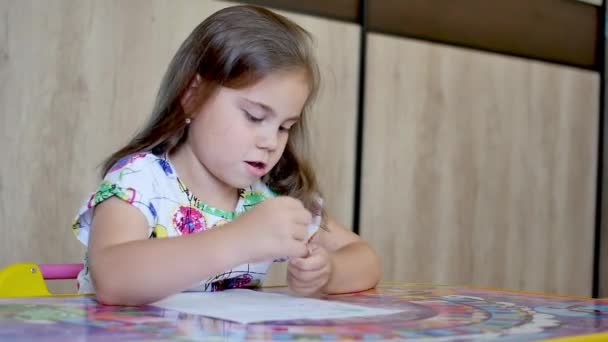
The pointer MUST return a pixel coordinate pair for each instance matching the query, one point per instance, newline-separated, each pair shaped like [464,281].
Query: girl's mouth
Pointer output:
[258,169]
[257,165]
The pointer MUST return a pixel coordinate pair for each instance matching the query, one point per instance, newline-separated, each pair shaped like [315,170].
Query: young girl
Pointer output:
[216,187]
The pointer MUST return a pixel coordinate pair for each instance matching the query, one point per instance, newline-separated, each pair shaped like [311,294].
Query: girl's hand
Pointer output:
[308,276]
[276,228]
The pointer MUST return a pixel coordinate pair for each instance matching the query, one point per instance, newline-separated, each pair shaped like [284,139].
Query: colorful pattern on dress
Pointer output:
[126,161]
[252,198]
[244,278]
[189,220]
[107,190]
[434,313]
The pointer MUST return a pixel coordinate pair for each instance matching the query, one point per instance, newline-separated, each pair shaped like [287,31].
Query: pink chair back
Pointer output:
[60,271]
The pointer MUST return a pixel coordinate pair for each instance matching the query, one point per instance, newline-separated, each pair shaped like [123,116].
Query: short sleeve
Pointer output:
[132,180]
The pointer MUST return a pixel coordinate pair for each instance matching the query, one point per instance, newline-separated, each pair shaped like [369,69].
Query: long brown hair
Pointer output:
[235,47]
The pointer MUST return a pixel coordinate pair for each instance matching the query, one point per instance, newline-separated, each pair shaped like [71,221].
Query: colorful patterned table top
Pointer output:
[436,313]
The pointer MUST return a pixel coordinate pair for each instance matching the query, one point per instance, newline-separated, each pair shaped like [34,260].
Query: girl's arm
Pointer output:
[355,266]
[127,268]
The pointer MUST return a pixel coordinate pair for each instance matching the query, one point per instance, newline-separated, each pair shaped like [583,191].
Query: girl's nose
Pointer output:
[267,141]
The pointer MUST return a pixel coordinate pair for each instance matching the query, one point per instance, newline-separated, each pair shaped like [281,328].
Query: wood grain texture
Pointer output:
[79,78]
[560,31]
[479,169]
[593,2]
[344,10]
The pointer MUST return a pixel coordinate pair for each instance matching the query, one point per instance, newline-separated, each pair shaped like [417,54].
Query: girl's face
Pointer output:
[239,135]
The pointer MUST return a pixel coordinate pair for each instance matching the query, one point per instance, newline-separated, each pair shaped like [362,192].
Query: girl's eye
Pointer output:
[251,117]
[284,129]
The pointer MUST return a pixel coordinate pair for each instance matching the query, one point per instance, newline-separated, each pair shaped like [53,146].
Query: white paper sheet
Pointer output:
[248,306]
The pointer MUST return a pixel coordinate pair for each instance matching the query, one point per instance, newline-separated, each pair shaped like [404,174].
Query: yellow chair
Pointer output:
[28,279]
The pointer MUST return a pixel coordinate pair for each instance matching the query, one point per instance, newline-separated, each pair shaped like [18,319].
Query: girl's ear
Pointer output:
[189,99]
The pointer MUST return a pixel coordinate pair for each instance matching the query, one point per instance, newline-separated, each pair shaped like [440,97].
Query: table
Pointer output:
[434,312]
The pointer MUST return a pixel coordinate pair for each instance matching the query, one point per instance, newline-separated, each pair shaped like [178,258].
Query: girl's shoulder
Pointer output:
[139,176]
[140,164]
[143,180]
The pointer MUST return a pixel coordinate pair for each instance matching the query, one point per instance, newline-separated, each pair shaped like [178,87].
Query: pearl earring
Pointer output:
[188,121]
